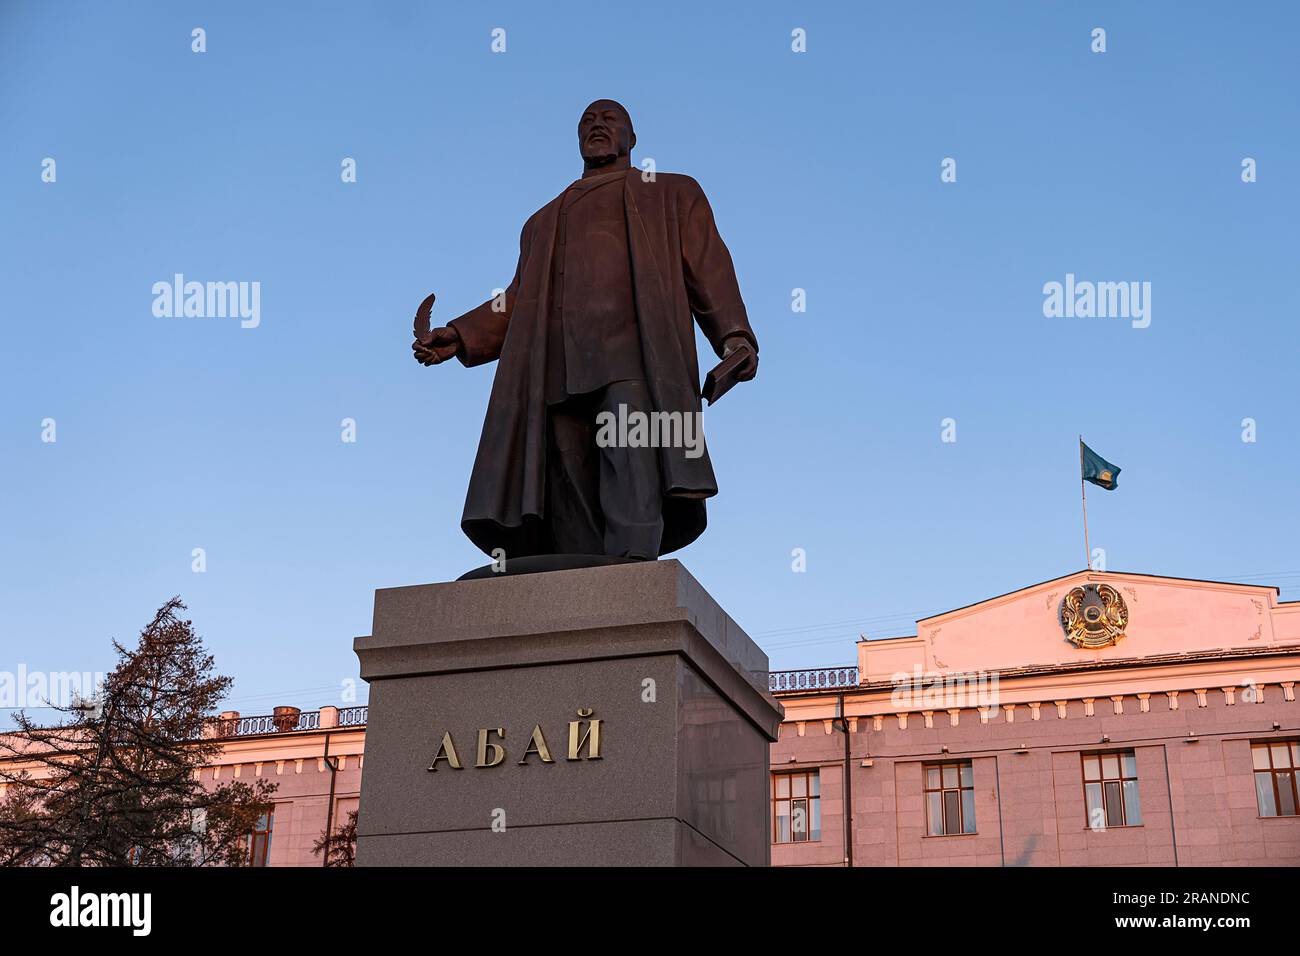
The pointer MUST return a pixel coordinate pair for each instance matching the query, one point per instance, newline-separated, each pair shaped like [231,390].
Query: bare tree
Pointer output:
[116,783]
[339,847]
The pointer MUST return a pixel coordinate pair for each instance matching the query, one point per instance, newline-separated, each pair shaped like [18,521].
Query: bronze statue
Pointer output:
[597,324]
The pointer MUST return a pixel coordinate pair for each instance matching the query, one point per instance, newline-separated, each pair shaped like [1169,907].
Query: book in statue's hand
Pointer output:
[723,376]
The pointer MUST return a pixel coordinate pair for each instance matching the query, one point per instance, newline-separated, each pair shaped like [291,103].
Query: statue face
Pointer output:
[605,132]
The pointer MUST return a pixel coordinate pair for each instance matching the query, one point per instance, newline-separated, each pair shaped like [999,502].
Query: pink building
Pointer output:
[1097,718]
[313,757]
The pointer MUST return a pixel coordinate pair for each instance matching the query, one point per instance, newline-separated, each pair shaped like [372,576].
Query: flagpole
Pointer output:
[1083,489]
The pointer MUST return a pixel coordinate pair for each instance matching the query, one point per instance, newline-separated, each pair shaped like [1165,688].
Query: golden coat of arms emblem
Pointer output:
[1094,615]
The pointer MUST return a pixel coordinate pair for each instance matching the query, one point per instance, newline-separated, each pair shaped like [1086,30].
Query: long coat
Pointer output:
[680,268]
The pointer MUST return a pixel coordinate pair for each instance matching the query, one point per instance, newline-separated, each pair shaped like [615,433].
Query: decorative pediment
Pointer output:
[1089,616]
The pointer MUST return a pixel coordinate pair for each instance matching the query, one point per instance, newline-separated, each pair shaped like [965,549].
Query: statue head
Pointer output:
[605,132]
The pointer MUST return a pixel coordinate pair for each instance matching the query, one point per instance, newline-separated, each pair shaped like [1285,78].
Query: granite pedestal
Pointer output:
[678,776]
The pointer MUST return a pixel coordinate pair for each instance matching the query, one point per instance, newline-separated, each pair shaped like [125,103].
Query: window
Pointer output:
[1276,765]
[259,840]
[796,807]
[949,798]
[1110,789]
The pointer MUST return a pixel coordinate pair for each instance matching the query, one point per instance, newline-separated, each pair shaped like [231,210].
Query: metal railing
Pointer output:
[270,724]
[812,678]
[353,716]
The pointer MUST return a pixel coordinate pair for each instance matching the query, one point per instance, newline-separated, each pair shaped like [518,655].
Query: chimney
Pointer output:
[285,718]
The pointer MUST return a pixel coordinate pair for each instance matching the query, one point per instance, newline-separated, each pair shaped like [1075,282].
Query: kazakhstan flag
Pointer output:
[1097,469]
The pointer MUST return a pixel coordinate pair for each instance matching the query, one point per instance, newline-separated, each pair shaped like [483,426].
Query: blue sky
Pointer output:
[924,301]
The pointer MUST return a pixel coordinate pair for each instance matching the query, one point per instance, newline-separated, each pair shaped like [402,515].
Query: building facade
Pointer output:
[1093,719]
[314,758]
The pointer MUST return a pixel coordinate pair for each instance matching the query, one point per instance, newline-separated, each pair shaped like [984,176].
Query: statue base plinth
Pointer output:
[503,666]
[537,563]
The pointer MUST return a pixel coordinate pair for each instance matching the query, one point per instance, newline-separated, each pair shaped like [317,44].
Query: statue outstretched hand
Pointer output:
[443,344]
